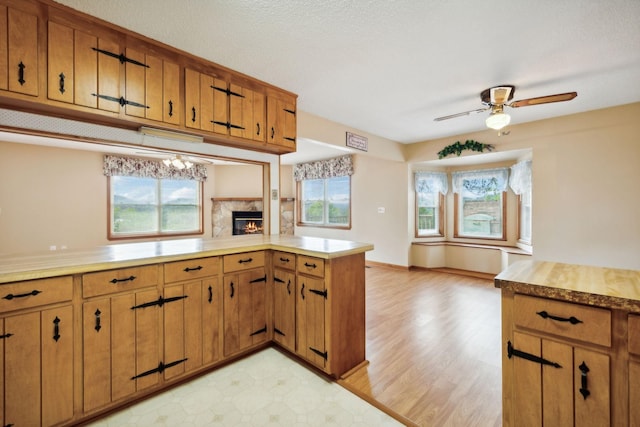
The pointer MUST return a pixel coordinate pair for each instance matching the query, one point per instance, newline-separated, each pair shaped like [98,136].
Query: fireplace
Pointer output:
[246,222]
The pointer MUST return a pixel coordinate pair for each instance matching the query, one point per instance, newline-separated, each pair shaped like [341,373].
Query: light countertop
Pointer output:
[600,286]
[20,267]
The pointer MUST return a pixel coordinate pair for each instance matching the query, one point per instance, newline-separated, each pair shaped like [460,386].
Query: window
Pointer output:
[147,198]
[325,202]
[479,203]
[430,189]
[324,192]
[520,183]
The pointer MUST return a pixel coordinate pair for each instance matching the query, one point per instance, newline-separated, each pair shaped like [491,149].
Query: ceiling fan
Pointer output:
[497,97]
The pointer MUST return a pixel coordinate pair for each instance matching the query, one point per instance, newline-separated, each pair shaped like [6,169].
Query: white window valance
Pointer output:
[480,181]
[431,182]
[321,169]
[520,179]
[143,168]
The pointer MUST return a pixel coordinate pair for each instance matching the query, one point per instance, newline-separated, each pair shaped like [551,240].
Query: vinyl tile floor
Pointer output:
[264,389]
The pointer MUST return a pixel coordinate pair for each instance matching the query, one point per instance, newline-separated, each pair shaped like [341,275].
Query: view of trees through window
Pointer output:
[480,209]
[149,206]
[326,201]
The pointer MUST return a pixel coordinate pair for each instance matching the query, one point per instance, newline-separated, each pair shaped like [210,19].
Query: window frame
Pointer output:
[440,217]
[111,235]
[324,224]
[521,205]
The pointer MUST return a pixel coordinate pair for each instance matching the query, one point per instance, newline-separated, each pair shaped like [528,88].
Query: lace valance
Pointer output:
[321,169]
[431,182]
[480,181]
[143,168]
[520,179]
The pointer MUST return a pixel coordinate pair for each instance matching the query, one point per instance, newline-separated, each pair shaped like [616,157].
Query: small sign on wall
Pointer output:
[357,141]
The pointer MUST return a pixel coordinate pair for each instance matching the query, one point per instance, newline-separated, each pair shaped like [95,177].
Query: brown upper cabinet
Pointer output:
[71,64]
[19,48]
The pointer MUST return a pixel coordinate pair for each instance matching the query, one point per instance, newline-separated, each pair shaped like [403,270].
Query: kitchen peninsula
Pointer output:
[87,331]
[571,344]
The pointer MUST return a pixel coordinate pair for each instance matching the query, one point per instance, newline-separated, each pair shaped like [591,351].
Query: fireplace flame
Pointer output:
[251,227]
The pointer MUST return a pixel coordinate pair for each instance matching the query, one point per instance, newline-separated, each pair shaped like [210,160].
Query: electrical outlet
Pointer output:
[380,210]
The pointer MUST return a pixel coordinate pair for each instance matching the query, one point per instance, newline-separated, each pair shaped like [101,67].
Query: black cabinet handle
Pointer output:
[97,314]
[284,259]
[242,261]
[302,291]
[21,79]
[210,294]
[232,289]
[584,370]
[571,319]
[61,87]
[273,132]
[511,351]
[128,279]
[33,293]
[193,114]
[289,287]
[186,270]
[170,108]
[306,264]
[56,329]
[257,128]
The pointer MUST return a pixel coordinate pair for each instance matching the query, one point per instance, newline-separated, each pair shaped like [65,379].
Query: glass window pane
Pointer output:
[313,201]
[180,205]
[338,195]
[481,213]
[134,204]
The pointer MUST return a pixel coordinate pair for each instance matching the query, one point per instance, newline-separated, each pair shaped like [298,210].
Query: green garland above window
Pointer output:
[457,148]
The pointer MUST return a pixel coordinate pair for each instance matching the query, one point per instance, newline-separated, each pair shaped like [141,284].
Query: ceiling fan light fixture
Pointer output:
[498,120]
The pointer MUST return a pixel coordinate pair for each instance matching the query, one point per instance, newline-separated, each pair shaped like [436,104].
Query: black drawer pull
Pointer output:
[584,370]
[310,265]
[56,329]
[571,319]
[33,293]
[210,294]
[284,259]
[97,314]
[242,261]
[128,279]
[528,356]
[186,270]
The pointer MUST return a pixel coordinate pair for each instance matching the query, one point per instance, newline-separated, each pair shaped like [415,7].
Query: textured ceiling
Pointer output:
[390,67]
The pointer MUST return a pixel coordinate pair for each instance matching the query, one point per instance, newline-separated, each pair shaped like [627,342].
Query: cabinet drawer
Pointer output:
[284,260]
[311,265]
[180,271]
[32,293]
[106,282]
[634,334]
[580,322]
[243,261]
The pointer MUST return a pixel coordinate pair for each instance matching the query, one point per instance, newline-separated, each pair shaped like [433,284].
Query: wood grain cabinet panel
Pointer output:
[284,307]
[22,49]
[281,122]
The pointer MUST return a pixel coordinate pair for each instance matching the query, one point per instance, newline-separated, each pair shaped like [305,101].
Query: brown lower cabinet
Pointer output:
[77,346]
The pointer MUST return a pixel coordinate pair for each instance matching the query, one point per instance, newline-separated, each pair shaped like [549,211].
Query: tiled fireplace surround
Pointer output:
[221,209]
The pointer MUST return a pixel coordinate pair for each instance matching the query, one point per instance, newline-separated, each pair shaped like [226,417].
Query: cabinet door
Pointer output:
[284,305]
[310,320]
[108,76]
[591,388]
[244,306]
[171,93]
[147,340]
[211,309]
[192,98]
[22,50]
[281,119]
[220,106]
[85,84]
[174,330]
[57,365]
[123,346]
[258,126]
[96,343]
[154,88]
[135,83]
[634,393]
[22,370]
[60,62]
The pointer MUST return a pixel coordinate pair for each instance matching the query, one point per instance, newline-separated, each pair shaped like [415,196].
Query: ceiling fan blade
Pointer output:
[560,97]
[466,113]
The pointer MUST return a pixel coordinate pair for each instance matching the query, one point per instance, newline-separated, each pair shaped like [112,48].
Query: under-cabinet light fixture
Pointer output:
[177,136]
[178,162]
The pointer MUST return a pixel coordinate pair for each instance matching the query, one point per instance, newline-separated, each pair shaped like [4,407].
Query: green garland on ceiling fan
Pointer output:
[457,148]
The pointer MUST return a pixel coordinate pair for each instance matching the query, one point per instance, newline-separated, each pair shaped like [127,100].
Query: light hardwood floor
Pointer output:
[433,343]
